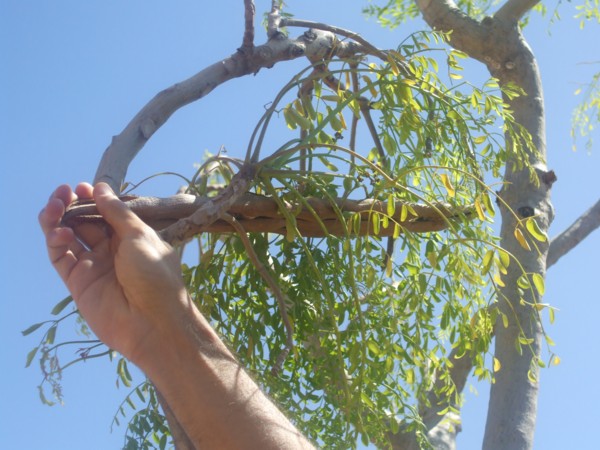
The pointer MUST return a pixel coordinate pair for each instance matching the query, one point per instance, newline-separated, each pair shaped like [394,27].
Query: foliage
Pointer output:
[370,343]
[372,328]
[587,113]
[395,12]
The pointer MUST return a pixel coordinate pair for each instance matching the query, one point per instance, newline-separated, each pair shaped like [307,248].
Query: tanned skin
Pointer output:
[127,284]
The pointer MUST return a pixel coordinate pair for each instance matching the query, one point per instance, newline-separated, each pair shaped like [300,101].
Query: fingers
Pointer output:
[62,246]
[115,212]
[52,213]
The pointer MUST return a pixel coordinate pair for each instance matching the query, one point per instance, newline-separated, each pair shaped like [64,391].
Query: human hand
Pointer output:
[124,279]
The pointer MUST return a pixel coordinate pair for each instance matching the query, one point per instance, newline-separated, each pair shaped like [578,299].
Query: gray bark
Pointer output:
[498,43]
[577,232]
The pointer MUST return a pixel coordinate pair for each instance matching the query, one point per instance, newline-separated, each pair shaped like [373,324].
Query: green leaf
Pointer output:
[488,259]
[551,315]
[32,328]
[51,334]
[374,347]
[61,305]
[391,205]
[503,258]
[30,356]
[533,227]
[538,282]
[403,213]
[523,282]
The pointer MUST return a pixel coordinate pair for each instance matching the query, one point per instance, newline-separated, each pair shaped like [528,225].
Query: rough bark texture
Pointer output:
[256,213]
[497,42]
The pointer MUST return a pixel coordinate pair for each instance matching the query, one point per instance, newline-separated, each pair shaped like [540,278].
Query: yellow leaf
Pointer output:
[498,280]
[556,360]
[479,210]
[521,239]
[497,365]
[448,184]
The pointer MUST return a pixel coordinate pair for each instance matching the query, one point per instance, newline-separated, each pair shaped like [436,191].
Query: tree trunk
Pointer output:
[497,42]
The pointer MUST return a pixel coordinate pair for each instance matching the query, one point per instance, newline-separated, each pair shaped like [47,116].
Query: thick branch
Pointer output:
[125,146]
[572,236]
[256,213]
[514,10]
[467,34]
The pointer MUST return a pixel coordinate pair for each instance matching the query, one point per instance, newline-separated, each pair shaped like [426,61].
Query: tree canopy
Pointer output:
[354,267]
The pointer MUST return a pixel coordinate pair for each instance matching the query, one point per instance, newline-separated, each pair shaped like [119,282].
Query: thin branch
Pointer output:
[514,10]
[572,236]
[249,13]
[273,286]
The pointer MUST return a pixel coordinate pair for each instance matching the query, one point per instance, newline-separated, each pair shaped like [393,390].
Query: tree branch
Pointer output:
[256,213]
[125,146]
[249,13]
[467,34]
[291,22]
[572,236]
[514,10]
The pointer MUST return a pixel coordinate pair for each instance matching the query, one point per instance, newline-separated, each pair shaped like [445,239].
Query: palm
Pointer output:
[118,278]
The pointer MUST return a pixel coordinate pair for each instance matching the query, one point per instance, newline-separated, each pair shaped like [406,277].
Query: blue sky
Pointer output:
[74,73]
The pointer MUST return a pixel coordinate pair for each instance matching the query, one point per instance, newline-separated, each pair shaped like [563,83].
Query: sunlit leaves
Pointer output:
[535,230]
[520,237]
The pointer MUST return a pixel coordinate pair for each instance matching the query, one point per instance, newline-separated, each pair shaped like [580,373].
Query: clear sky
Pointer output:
[73,73]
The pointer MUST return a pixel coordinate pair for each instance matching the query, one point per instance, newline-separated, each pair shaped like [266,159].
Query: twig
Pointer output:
[273,286]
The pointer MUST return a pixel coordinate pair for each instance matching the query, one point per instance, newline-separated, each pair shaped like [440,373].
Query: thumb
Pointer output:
[115,212]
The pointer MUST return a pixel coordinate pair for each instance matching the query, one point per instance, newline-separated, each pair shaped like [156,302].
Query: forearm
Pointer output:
[213,398]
